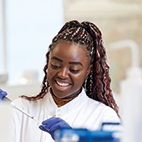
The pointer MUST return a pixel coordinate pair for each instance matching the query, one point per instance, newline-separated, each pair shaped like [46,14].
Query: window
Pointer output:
[30,27]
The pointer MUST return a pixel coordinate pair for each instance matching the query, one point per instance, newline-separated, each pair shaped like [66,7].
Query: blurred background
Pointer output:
[27,28]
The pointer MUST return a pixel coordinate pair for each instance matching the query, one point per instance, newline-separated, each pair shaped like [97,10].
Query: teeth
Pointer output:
[62,84]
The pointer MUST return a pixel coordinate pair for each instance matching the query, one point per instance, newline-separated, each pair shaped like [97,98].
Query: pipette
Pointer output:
[21,110]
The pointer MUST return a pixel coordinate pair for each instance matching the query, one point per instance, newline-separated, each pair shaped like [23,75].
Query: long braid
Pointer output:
[101,79]
[97,84]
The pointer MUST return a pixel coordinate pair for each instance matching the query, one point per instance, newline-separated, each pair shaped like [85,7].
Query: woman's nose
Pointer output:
[63,73]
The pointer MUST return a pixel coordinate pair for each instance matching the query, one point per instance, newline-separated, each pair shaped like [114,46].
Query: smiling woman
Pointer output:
[76,86]
[67,70]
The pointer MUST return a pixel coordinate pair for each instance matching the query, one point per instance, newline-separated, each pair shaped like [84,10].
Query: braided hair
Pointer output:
[97,84]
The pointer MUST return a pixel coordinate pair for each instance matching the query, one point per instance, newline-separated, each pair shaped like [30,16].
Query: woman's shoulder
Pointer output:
[21,102]
[102,110]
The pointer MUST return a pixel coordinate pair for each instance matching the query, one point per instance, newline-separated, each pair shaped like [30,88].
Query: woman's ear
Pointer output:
[88,70]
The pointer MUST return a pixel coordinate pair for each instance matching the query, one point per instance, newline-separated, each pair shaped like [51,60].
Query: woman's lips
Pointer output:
[62,86]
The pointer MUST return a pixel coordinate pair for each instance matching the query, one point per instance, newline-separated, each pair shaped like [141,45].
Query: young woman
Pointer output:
[76,89]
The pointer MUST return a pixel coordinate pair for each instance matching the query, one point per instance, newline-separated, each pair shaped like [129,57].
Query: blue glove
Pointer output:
[52,124]
[2,94]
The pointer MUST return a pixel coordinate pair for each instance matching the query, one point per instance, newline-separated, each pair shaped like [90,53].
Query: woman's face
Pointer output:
[67,68]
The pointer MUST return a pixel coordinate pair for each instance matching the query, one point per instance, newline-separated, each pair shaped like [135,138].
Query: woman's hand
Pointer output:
[2,94]
[52,124]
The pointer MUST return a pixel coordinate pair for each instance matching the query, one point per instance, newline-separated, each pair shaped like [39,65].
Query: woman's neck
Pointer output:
[62,101]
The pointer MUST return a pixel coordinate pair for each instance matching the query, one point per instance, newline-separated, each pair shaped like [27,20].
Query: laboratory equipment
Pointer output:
[85,135]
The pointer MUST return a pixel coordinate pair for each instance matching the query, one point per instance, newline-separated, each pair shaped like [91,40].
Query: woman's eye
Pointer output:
[74,71]
[54,66]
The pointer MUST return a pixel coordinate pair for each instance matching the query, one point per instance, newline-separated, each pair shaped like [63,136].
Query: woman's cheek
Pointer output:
[50,74]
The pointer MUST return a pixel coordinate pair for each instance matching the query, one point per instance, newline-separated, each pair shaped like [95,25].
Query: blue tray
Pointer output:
[85,135]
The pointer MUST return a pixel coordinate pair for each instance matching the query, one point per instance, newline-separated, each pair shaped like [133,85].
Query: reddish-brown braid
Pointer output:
[97,84]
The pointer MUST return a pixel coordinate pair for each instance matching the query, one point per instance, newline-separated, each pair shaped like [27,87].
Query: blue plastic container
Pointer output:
[84,135]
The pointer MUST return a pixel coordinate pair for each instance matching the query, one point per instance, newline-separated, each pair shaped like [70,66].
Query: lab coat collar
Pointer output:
[64,110]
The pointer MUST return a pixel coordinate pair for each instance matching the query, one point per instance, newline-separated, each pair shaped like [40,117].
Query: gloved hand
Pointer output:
[52,124]
[2,94]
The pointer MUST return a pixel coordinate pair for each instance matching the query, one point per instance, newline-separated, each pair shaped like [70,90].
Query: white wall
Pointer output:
[31,24]
[30,27]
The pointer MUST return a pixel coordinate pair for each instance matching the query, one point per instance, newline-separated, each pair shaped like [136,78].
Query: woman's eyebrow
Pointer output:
[57,59]
[79,63]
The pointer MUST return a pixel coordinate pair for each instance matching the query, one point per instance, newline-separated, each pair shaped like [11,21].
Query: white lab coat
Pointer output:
[81,112]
